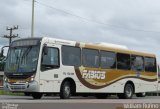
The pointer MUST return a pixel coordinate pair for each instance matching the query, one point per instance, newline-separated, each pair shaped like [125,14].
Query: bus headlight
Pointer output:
[5,79]
[32,78]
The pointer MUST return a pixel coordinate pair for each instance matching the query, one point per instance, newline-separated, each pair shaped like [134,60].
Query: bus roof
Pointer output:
[112,45]
[120,50]
[100,46]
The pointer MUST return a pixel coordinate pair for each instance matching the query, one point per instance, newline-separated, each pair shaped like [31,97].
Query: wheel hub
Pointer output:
[67,90]
[129,91]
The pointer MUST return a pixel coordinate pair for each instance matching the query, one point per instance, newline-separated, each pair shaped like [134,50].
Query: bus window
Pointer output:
[123,61]
[150,64]
[108,59]
[137,63]
[51,59]
[90,58]
[71,56]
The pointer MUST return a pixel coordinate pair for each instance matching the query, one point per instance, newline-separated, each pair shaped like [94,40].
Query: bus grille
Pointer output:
[17,87]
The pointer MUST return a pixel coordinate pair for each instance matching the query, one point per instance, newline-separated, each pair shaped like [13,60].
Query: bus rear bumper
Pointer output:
[22,87]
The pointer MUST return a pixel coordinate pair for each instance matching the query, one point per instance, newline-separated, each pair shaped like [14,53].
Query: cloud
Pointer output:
[123,22]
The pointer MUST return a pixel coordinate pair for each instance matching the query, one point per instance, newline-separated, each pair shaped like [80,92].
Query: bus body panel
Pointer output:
[50,81]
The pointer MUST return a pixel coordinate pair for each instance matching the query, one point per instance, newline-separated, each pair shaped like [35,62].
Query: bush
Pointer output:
[3,92]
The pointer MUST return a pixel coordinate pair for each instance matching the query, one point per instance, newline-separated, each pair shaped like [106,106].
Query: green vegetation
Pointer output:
[3,92]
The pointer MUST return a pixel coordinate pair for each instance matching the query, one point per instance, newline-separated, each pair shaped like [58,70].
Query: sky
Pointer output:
[133,23]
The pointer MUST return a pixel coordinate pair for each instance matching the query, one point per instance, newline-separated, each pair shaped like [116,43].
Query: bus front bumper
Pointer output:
[22,87]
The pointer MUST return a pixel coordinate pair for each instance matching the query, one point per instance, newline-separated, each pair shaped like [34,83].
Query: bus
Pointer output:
[39,66]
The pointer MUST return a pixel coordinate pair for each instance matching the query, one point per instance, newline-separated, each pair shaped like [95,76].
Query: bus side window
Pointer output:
[123,61]
[150,64]
[51,59]
[90,58]
[108,59]
[137,63]
[71,56]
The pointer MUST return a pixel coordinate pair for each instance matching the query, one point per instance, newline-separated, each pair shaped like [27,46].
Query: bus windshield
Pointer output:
[22,59]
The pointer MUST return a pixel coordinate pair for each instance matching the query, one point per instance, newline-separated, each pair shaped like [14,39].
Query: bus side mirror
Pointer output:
[45,50]
[2,53]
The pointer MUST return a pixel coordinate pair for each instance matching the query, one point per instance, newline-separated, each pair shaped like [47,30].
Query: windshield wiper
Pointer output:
[16,55]
[21,57]
[26,52]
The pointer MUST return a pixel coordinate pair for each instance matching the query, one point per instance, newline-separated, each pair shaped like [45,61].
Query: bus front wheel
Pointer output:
[37,95]
[65,92]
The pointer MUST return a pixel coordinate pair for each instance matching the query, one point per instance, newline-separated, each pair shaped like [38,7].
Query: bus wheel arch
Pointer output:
[70,84]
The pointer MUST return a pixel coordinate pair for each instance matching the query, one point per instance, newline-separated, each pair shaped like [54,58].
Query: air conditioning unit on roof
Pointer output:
[112,45]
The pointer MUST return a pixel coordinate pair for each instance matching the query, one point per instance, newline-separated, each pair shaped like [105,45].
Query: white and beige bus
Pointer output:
[48,65]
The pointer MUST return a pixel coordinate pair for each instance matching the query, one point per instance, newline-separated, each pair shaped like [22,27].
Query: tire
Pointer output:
[101,96]
[27,93]
[37,95]
[65,91]
[141,94]
[128,92]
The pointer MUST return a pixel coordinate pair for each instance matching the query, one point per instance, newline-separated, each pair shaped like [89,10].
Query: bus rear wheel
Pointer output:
[65,92]
[37,95]
[128,92]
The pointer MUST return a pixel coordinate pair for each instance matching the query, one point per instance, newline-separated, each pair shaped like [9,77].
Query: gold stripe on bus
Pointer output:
[112,74]
[97,84]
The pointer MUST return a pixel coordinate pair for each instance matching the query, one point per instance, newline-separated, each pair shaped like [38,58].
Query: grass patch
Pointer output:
[3,92]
